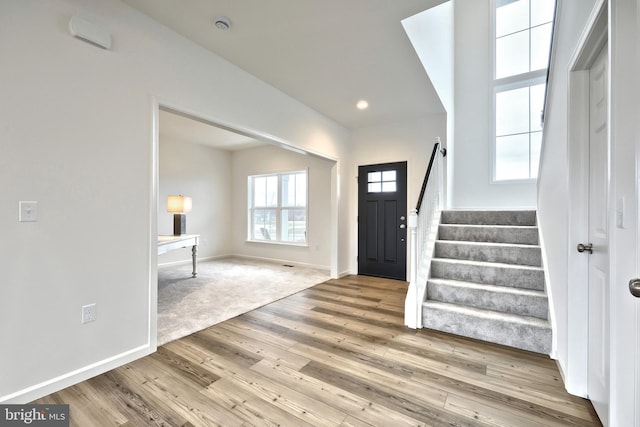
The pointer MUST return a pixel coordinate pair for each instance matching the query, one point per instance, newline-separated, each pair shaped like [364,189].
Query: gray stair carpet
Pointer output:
[487,280]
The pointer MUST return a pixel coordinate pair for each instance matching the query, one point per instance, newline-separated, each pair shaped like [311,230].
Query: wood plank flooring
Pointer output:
[336,354]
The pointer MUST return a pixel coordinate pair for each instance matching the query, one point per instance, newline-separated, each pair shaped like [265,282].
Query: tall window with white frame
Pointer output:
[523,31]
[278,208]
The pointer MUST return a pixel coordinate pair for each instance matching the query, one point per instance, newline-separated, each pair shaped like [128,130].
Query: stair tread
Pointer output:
[490,210]
[488,264]
[514,234]
[488,287]
[491,244]
[489,314]
[517,227]
[526,217]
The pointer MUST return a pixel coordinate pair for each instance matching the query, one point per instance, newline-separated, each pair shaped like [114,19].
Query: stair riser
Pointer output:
[489,217]
[525,337]
[489,234]
[523,305]
[497,313]
[491,275]
[508,255]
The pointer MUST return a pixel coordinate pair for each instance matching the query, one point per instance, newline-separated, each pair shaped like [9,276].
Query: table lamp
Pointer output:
[179,205]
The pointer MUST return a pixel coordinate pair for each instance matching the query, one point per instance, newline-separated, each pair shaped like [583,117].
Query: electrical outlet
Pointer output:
[89,313]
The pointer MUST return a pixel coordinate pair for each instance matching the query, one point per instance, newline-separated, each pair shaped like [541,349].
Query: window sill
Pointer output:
[514,181]
[274,242]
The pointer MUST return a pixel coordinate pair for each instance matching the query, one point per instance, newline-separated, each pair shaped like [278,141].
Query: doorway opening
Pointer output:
[193,156]
[588,142]
[382,220]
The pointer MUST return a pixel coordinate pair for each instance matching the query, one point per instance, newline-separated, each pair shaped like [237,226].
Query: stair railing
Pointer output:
[423,226]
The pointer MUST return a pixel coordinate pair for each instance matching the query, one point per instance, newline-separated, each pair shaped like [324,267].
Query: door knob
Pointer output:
[634,287]
[585,248]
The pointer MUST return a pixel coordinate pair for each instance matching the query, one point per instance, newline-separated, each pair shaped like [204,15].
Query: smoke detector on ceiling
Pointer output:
[222,22]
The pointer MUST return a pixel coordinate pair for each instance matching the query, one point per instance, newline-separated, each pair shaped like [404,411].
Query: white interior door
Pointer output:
[598,357]
[636,329]
[637,334]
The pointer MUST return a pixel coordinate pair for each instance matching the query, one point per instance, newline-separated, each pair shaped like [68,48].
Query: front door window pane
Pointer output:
[389,175]
[388,187]
[384,181]
[374,187]
[375,177]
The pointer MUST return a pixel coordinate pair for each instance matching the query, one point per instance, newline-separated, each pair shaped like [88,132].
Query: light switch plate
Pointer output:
[28,211]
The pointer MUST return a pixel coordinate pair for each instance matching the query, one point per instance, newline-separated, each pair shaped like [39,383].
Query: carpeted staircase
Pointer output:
[487,280]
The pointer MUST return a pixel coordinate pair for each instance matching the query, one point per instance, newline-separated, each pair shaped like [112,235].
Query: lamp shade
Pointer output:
[178,204]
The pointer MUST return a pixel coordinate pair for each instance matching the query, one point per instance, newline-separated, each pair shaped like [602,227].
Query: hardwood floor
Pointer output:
[336,354]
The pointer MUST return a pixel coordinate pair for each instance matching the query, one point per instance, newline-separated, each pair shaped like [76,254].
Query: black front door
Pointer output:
[382,219]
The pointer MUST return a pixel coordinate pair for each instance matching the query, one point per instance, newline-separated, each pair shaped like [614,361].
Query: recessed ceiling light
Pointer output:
[222,22]
[362,105]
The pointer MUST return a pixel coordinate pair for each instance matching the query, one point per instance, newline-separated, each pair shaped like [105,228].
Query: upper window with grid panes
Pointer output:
[522,42]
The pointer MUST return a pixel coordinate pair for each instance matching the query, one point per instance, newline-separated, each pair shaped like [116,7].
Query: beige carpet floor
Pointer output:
[223,289]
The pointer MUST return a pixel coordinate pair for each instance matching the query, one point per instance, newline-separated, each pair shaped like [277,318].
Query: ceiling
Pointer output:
[328,54]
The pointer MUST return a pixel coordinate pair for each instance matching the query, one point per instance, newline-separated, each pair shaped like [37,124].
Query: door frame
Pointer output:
[156,104]
[592,40]
[406,207]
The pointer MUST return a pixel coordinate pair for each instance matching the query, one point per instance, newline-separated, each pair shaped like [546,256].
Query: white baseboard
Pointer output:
[52,385]
[189,260]
[271,260]
[345,273]
[55,384]
[284,261]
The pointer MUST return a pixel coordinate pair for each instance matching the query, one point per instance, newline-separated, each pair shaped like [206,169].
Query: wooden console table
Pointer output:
[169,243]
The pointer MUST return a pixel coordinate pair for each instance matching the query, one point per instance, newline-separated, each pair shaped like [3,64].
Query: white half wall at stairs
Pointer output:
[423,227]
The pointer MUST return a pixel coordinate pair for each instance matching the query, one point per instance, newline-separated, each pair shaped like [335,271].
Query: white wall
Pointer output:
[624,27]
[204,174]
[411,141]
[432,34]
[269,159]
[77,136]
[472,174]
